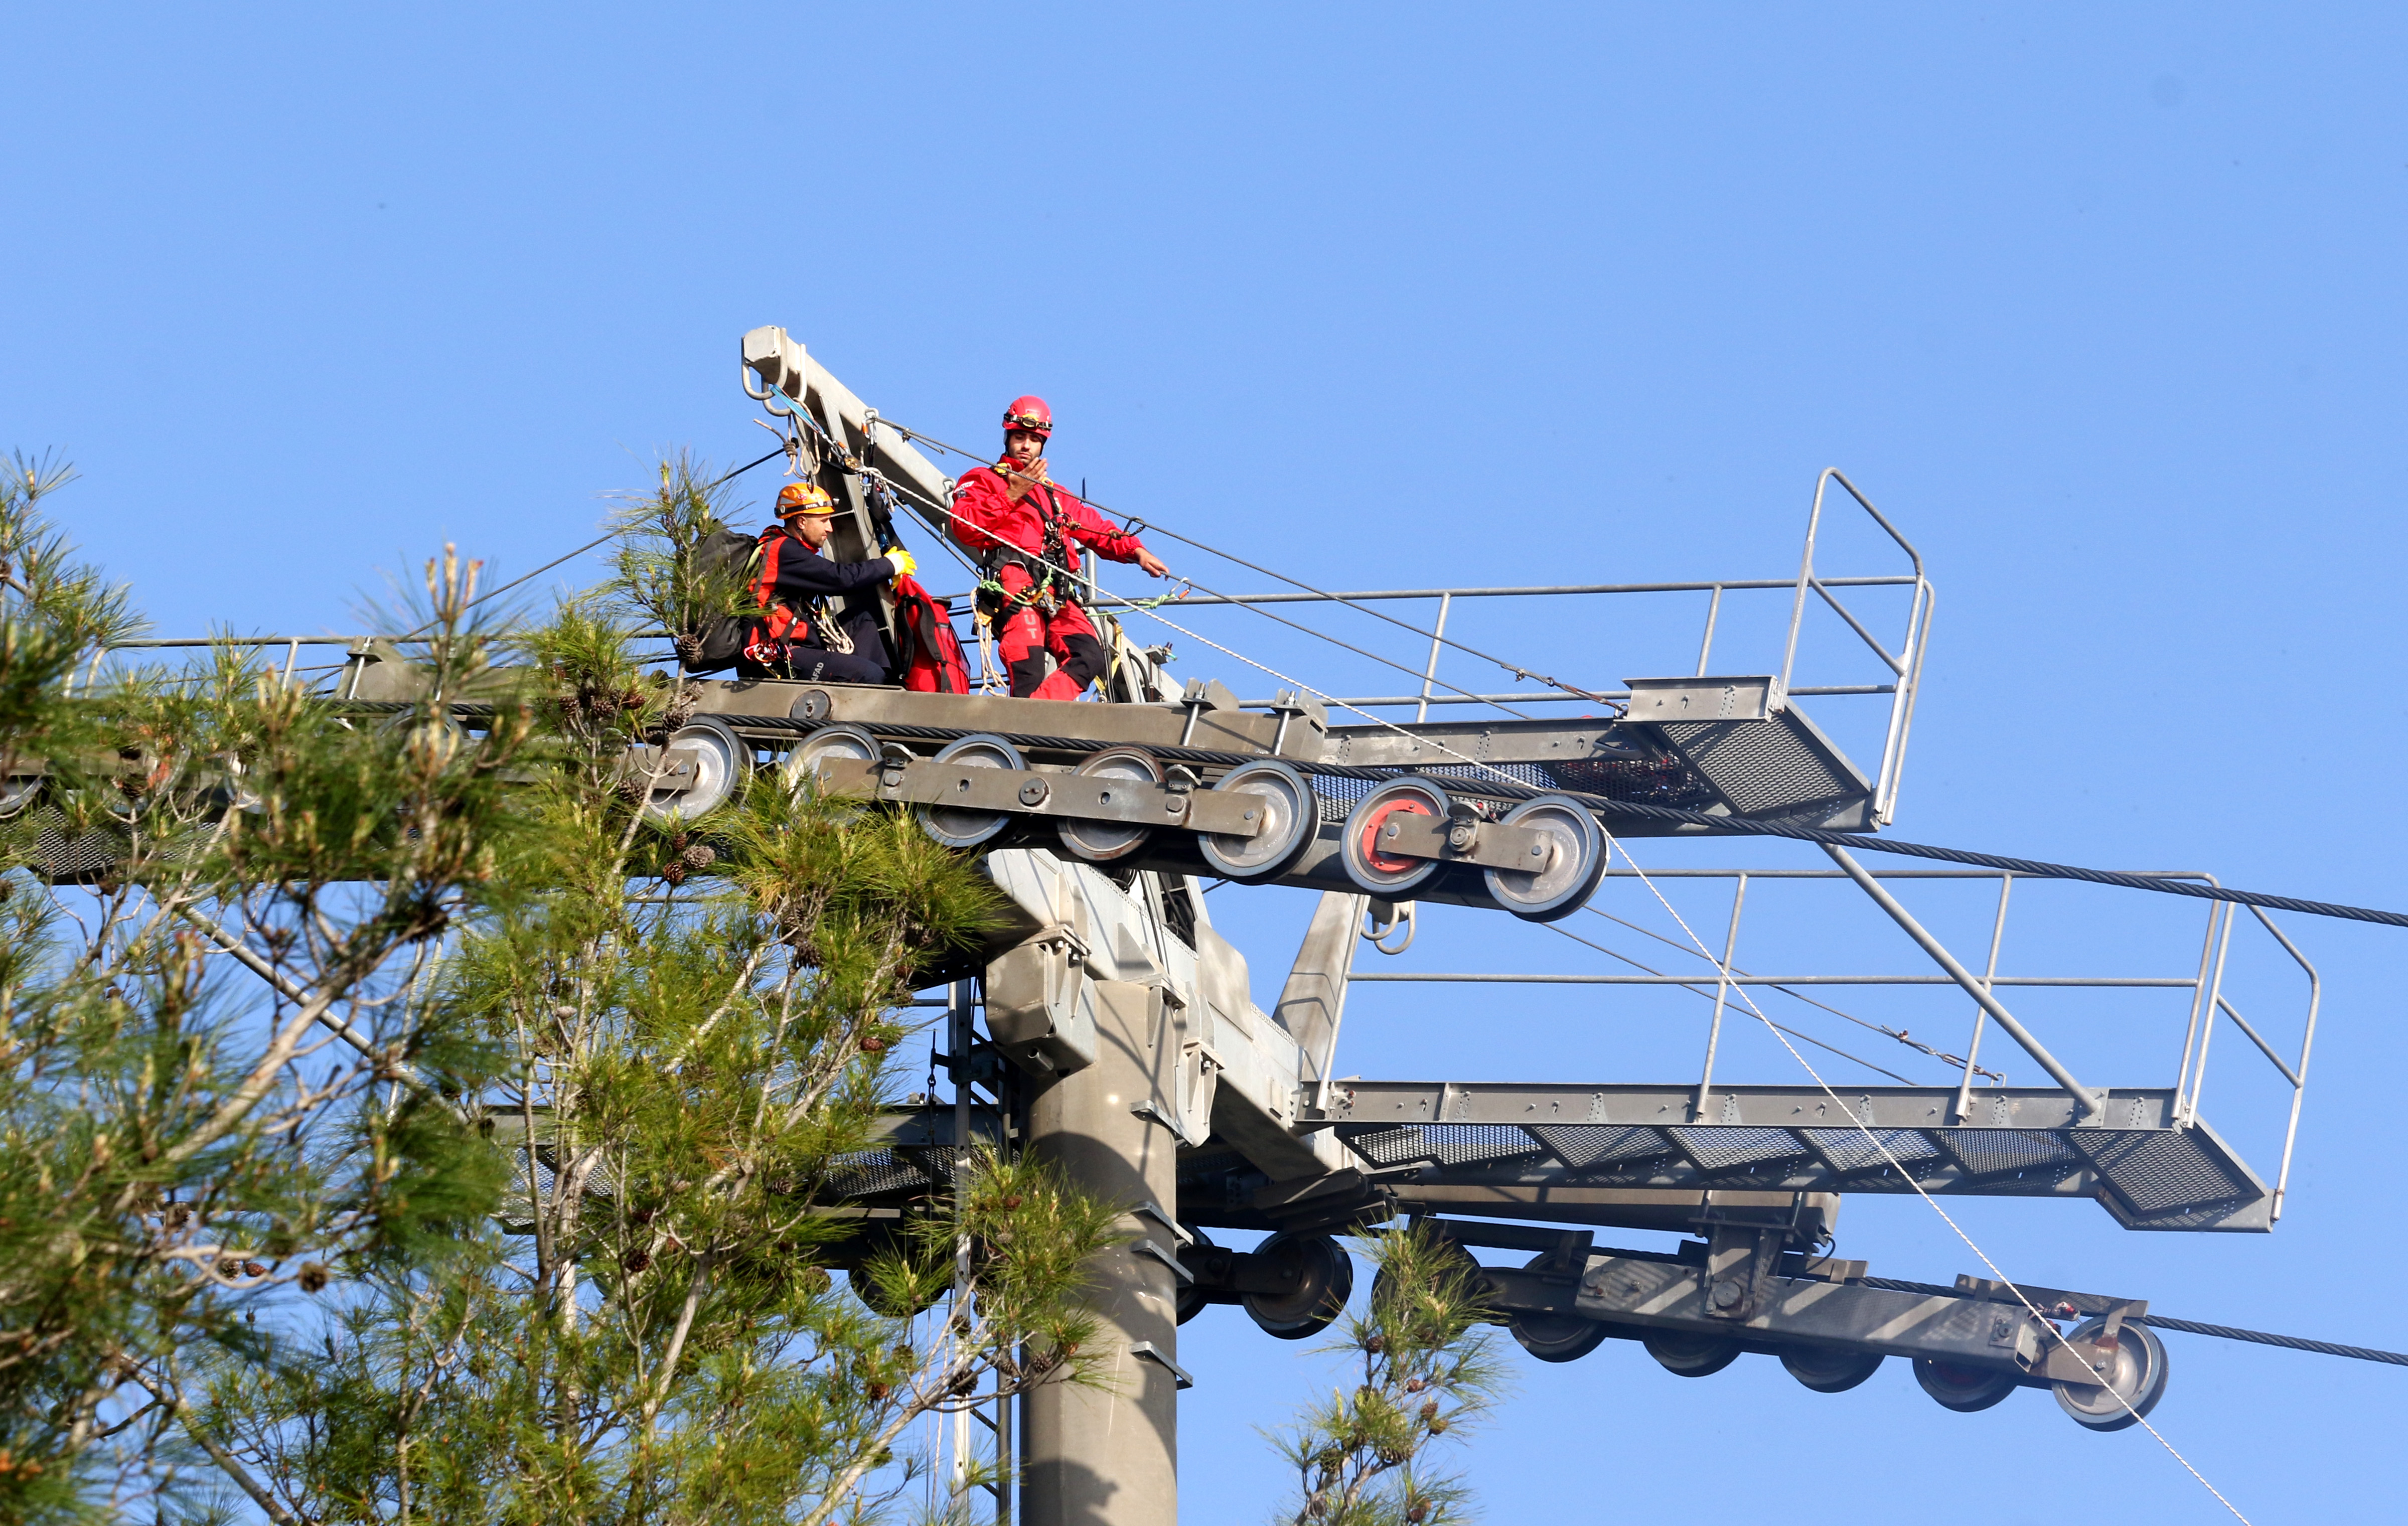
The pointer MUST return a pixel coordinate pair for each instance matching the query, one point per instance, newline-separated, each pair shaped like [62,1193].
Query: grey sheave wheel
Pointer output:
[954,826]
[1689,1353]
[1290,816]
[1318,1279]
[1561,882]
[1188,1299]
[1964,1390]
[1555,1337]
[721,761]
[802,764]
[1101,842]
[1391,876]
[2136,1380]
[1828,1369]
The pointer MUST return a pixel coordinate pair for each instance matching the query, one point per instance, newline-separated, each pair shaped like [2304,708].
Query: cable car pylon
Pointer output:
[1115,1030]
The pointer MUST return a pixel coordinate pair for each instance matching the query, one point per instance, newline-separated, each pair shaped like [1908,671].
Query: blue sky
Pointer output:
[2102,306]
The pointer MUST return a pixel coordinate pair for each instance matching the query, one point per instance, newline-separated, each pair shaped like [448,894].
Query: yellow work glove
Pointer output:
[905,563]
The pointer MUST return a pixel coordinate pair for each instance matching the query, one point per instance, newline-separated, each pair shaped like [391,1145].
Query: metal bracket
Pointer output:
[1147,1248]
[1463,839]
[1152,1211]
[1177,1372]
[1741,1264]
[1152,1113]
[1025,792]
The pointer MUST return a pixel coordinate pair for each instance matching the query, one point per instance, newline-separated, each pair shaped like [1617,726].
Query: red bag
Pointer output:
[933,662]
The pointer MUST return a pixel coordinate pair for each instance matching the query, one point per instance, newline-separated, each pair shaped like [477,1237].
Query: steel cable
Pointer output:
[2189,1327]
[1138,524]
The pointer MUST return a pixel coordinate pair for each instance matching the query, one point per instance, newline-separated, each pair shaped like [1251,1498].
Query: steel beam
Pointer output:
[2089,1103]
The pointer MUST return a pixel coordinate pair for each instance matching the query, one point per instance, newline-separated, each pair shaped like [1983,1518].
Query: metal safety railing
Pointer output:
[2209,999]
[1905,664]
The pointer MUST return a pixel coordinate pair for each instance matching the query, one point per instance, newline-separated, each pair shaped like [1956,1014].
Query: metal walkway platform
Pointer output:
[1528,1150]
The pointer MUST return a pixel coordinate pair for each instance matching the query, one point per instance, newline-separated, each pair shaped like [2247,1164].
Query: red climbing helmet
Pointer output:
[1031,414]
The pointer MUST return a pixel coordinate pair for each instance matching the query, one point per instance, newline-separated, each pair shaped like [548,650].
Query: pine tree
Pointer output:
[688,1028]
[1428,1373]
[178,1153]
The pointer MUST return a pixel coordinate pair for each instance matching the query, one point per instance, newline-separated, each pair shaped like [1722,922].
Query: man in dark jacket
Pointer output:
[801,633]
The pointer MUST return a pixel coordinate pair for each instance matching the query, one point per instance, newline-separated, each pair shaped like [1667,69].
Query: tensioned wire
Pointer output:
[1879,1144]
[1149,607]
[1136,524]
[1746,999]
[908,490]
[1560,930]
[1612,844]
[2030,868]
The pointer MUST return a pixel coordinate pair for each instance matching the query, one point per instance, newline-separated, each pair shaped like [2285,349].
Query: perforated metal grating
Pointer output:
[1848,1150]
[2009,1153]
[2161,1175]
[86,855]
[1761,767]
[1583,1145]
[876,1173]
[1665,781]
[2155,1172]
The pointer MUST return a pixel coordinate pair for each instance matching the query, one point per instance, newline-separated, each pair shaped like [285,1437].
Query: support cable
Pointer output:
[1150,607]
[1882,1146]
[1897,1034]
[2189,1327]
[1746,999]
[1792,1032]
[1138,525]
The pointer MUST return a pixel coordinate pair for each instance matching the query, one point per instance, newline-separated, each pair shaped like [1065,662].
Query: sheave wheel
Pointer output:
[1964,1390]
[1561,880]
[850,742]
[1101,842]
[721,761]
[1555,1337]
[1290,814]
[1390,875]
[1189,1299]
[2136,1378]
[1688,1353]
[1318,1278]
[954,825]
[1828,1369]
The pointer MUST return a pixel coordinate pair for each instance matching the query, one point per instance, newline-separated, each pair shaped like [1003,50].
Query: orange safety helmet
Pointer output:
[804,498]
[1031,414]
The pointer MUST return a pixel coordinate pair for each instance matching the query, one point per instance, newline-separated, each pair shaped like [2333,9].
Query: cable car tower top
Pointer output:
[1108,1026]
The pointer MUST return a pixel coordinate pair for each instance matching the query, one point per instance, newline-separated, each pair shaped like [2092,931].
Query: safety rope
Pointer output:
[1152,606]
[1137,525]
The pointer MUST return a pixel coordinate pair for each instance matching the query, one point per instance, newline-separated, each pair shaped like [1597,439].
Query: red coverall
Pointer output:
[1021,526]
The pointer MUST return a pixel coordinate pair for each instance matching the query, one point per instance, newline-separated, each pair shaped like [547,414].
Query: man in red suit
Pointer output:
[1028,532]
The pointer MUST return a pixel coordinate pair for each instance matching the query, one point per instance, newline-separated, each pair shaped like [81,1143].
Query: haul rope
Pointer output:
[2190,1327]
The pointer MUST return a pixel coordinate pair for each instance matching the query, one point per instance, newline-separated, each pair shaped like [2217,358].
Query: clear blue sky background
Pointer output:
[2103,306]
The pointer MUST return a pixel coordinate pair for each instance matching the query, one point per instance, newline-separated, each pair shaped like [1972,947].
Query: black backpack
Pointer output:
[717,577]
